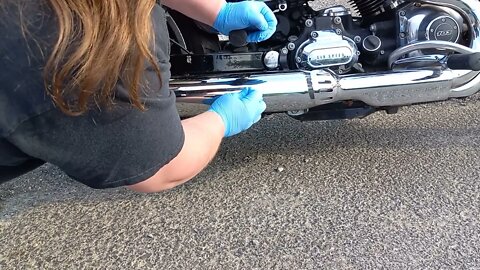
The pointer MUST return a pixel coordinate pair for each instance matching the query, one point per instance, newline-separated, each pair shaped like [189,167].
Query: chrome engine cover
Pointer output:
[430,22]
[327,49]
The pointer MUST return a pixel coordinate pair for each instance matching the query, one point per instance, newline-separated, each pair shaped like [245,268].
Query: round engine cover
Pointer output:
[443,28]
[430,23]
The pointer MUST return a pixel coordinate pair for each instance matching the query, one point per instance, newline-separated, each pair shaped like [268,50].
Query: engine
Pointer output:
[343,40]
[371,8]
[334,38]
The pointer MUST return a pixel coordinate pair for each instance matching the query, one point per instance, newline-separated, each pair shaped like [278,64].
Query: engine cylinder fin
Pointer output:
[368,7]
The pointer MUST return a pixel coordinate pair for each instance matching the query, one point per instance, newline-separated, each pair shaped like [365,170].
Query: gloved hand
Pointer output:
[239,111]
[248,15]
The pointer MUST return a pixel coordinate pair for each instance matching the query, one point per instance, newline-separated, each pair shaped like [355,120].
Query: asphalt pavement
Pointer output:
[390,191]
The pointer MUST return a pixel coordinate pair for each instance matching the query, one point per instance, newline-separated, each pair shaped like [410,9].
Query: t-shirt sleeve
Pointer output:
[121,146]
[115,146]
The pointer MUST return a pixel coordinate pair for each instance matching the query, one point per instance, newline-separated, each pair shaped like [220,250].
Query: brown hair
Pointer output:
[99,42]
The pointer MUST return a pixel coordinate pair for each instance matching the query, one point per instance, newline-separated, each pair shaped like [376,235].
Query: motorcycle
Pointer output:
[334,63]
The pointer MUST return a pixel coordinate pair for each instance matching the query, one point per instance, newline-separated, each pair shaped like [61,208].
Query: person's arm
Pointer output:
[200,10]
[203,135]
[253,16]
[229,115]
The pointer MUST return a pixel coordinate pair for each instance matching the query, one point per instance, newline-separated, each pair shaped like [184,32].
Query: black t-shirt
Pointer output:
[102,148]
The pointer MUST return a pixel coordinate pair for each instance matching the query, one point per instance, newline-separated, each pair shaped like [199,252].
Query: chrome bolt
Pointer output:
[337,20]
[314,34]
[284,50]
[402,35]
[382,52]
[291,46]
[271,59]
[309,23]
[298,59]
[357,39]
[338,31]
[402,13]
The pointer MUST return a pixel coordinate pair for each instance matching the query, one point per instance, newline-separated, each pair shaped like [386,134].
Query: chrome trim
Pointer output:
[421,62]
[376,48]
[437,44]
[326,49]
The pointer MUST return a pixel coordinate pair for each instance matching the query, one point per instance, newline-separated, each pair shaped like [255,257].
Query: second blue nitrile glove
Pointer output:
[240,110]
[254,16]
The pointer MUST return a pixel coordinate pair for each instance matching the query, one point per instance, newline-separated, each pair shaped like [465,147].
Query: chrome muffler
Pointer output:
[301,90]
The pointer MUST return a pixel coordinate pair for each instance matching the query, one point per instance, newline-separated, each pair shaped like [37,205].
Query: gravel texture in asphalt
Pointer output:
[389,191]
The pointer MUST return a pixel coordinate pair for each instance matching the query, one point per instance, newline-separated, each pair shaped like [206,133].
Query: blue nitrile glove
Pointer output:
[240,110]
[255,17]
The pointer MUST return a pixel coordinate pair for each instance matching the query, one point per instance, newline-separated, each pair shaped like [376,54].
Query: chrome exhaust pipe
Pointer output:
[298,91]
[301,90]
